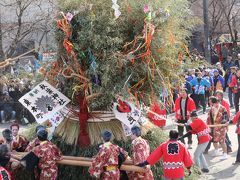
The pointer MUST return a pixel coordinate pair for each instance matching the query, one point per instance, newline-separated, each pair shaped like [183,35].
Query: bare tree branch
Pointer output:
[32,16]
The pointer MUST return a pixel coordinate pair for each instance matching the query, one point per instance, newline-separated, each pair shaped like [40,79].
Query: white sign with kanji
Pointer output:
[44,101]
[128,114]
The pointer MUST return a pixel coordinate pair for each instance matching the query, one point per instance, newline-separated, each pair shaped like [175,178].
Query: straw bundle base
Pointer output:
[68,130]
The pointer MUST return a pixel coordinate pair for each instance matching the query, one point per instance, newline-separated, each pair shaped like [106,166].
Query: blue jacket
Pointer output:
[219,78]
[199,87]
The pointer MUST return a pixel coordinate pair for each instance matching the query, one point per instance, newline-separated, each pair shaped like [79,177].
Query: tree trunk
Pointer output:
[2,55]
[206,31]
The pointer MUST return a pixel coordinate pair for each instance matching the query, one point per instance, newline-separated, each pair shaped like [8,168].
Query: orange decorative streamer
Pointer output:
[64,26]
[68,46]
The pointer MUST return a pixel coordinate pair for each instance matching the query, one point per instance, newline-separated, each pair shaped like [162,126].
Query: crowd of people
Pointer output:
[203,82]
[10,92]
[40,159]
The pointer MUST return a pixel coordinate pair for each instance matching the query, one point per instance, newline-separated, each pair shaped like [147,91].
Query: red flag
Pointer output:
[159,119]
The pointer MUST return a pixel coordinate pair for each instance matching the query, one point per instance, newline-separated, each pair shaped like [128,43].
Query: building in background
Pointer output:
[224,21]
[26,25]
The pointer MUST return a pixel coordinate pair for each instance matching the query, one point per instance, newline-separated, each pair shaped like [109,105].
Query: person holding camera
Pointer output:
[200,128]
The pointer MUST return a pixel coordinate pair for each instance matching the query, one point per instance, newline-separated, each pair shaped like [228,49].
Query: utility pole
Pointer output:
[1,40]
[206,31]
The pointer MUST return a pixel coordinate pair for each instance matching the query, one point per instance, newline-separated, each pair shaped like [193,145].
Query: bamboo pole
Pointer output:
[210,125]
[6,62]
[127,162]
[88,163]
[83,161]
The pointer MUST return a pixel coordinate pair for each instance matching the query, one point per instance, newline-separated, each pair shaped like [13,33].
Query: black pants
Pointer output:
[200,98]
[207,95]
[181,130]
[236,101]
[238,152]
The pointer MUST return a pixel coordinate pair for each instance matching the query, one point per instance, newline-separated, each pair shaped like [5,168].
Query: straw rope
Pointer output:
[68,130]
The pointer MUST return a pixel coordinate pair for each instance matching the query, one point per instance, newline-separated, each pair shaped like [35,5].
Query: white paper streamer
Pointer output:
[115,6]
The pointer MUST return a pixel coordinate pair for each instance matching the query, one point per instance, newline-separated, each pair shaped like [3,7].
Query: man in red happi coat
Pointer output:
[48,155]
[105,164]
[19,142]
[175,157]
[184,105]
[200,128]
[140,152]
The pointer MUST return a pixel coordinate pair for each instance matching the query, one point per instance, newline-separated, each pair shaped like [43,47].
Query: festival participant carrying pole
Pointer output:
[218,115]
[200,128]
[140,152]
[175,157]
[106,162]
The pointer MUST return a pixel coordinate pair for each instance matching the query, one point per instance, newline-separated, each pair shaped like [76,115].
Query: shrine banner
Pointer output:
[128,114]
[53,123]
[44,101]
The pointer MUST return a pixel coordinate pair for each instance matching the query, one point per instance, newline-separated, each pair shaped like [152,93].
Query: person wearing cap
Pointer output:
[199,85]
[19,143]
[217,115]
[200,128]
[48,155]
[235,84]
[183,107]
[174,155]
[140,152]
[105,163]
[218,81]
[35,142]
[228,79]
